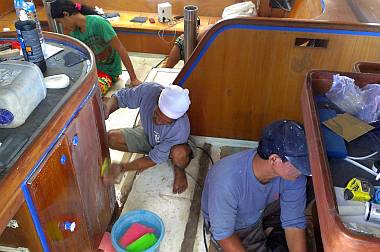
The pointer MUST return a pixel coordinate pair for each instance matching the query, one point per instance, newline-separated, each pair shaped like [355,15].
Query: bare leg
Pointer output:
[116,140]
[174,57]
[180,155]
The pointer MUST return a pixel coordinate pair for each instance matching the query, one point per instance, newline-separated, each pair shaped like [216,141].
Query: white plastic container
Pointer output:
[22,88]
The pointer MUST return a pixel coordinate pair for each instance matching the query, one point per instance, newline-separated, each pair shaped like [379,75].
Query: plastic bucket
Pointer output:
[144,217]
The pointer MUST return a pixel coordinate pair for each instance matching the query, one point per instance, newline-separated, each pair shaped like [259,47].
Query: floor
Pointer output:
[152,188]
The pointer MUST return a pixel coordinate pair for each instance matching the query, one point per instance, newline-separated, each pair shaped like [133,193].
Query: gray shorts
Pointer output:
[137,141]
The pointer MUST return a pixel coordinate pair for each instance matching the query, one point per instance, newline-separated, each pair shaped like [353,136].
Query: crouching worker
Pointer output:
[164,133]
[243,192]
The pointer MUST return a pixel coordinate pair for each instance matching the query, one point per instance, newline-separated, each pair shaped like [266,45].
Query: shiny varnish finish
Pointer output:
[55,193]
[335,236]
[88,155]
[23,234]
[241,78]
[367,67]
[60,192]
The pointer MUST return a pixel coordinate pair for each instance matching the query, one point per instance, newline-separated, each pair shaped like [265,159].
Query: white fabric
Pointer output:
[174,101]
[244,9]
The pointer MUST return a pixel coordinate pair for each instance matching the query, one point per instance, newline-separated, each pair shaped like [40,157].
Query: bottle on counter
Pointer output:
[29,40]
[30,9]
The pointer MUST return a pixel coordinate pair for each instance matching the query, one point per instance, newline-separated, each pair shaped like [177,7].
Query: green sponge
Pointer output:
[143,243]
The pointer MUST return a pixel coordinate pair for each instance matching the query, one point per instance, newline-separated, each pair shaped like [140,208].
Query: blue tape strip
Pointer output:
[269,28]
[147,33]
[33,212]
[24,187]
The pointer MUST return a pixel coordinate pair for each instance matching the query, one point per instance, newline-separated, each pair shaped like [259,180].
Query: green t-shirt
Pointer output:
[97,35]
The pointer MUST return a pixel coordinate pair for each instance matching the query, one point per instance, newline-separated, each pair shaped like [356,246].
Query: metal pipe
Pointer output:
[190,32]
[54,26]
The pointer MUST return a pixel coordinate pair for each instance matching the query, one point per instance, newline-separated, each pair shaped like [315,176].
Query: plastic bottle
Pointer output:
[30,9]
[29,41]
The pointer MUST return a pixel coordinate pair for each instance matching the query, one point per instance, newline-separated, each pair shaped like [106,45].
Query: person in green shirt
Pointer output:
[83,23]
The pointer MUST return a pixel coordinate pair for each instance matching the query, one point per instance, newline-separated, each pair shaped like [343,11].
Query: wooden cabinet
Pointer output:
[55,194]
[88,156]
[22,233]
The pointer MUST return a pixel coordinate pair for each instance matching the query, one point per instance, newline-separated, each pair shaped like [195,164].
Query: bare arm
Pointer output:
[139,164]
[232,244]
[109,106]
[112,175]
[296,239]
[118,46]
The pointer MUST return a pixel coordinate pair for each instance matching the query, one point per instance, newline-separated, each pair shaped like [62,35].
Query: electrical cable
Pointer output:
[361,167]
[204,235]
[208,154]
[281,7]
[362,158]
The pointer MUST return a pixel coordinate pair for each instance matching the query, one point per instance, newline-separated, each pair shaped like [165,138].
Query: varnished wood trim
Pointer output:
[11,194]
[266,24]
[334,234]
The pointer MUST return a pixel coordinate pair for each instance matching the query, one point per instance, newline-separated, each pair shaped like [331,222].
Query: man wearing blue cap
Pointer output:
[164,133]
[241,189]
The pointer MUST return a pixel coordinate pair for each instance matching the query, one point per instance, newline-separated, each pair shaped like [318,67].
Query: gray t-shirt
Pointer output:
[234,199]
[161,137]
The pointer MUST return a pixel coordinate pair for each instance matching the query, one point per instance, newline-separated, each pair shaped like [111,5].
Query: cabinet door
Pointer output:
[22,234]
[86,135]
[56,197]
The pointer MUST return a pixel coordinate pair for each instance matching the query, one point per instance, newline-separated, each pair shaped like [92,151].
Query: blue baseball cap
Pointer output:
[287,139]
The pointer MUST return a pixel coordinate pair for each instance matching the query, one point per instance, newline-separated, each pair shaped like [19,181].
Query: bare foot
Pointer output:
[180,181]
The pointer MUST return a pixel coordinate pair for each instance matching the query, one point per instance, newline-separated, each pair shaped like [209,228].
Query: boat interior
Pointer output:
[243,74]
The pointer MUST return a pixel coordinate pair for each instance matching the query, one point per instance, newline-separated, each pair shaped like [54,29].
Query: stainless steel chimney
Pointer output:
[54,26]
[190,18]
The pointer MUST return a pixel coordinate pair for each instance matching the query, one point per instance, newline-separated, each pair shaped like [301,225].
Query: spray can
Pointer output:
[372,212]
[29,41]
[29,7]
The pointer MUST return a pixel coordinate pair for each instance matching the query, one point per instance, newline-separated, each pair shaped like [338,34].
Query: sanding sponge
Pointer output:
[335,145]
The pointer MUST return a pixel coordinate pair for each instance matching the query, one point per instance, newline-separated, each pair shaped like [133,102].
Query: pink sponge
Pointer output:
[133,233]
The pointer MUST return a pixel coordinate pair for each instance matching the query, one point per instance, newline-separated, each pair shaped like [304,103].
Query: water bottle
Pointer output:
[30,9]
[29,41]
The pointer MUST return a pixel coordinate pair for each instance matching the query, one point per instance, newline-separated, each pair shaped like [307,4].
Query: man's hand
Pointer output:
[112,176]
[106,111]
[232,244]
[135,82]
[296,239]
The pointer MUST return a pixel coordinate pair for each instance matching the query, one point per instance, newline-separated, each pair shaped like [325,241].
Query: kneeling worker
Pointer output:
[244,188]
[164,134]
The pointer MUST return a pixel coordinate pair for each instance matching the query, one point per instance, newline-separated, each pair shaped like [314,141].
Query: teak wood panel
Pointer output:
[23,236]
[206,8]
[87,155]
[335,236]
[55,194]
[249,78]
[146,43]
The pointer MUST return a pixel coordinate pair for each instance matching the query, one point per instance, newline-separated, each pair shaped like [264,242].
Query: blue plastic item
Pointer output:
[335,145]
[144,217]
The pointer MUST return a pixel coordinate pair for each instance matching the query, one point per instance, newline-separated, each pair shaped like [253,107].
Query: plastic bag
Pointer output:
[244,9]
[363,103]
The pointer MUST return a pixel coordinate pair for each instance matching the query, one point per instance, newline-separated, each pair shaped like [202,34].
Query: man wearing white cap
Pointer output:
[164,134]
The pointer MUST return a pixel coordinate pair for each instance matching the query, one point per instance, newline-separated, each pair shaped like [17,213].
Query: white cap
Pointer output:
[174,101]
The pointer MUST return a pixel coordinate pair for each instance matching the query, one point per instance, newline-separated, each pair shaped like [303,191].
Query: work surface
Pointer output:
[49,107]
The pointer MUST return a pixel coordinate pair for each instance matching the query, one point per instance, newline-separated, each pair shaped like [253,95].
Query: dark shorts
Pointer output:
[254,239]
[137,141]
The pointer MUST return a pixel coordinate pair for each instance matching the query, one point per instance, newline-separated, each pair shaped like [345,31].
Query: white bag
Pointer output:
[244,9]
